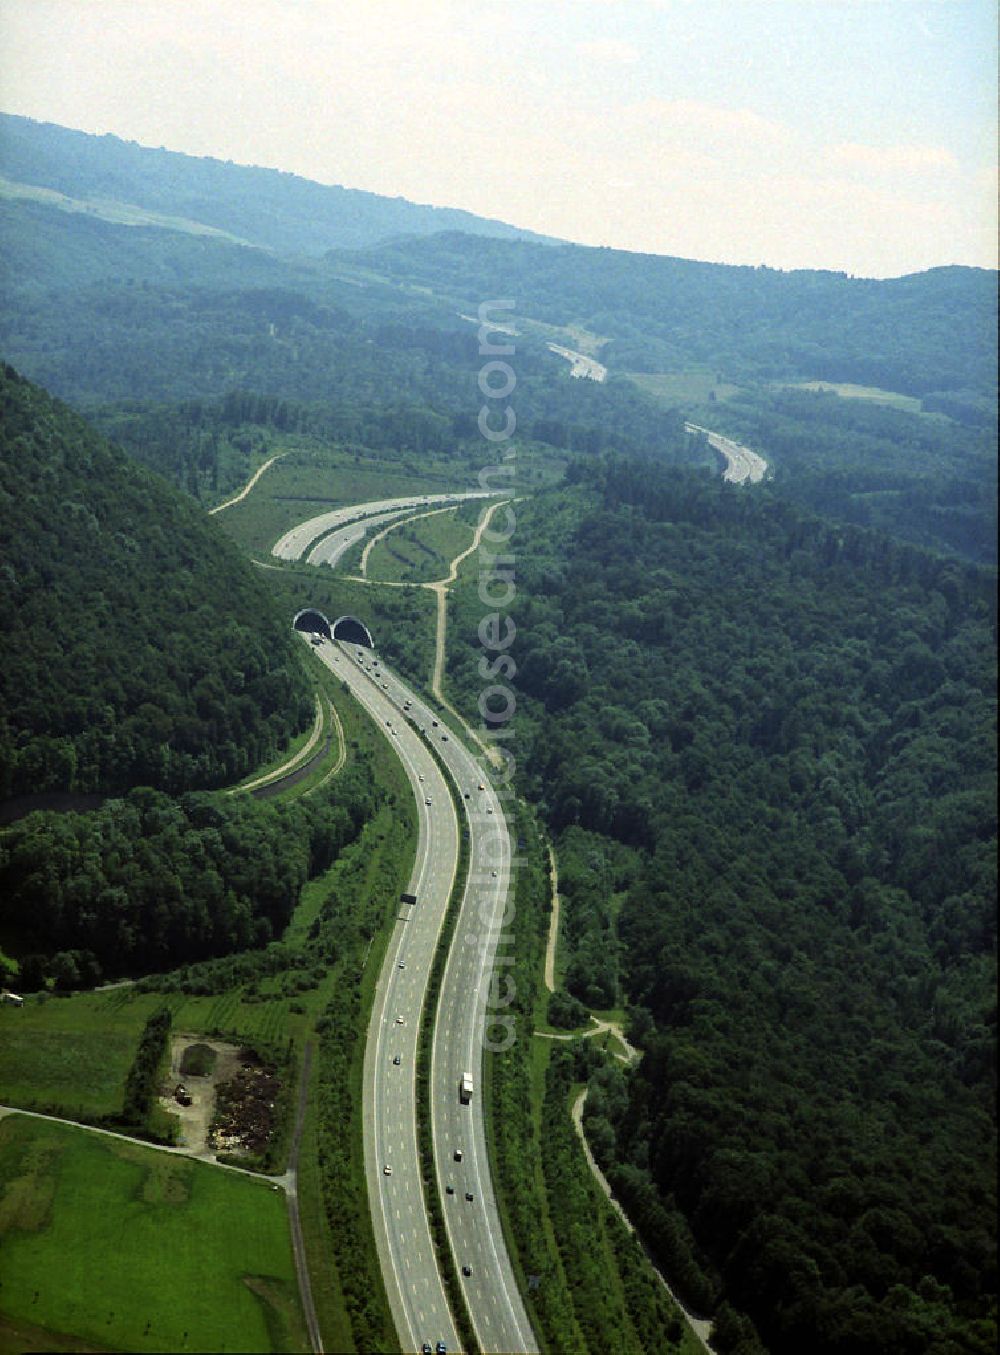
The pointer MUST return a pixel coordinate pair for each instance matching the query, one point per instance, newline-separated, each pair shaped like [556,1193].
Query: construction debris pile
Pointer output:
[244,1109]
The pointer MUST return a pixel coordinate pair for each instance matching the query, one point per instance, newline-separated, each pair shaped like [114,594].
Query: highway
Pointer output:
[333,547]
[742,465]
[492,1297]
[297,541]
[402,1234]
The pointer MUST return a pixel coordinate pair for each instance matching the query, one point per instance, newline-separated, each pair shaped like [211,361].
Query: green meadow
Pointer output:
[421,549]
[314,479]
[693,386]
[848,391]
[127,1248]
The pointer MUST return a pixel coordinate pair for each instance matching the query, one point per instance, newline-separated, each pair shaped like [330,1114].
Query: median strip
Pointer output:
[425,1138]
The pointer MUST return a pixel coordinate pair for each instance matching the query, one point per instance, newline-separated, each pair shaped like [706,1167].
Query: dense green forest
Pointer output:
[767,748]
[929,481]
[231,335]
[149,881]
[138,647]
[195,353]
[759,722]
[926,333]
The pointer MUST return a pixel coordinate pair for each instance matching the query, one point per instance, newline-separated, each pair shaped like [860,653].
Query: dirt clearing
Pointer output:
[196,1118]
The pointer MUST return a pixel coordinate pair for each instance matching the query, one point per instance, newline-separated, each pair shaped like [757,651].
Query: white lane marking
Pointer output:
[426,840]
[499,845]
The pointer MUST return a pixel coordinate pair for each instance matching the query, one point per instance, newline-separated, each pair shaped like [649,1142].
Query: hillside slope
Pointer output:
[765,748]
[265,207]
[138,647]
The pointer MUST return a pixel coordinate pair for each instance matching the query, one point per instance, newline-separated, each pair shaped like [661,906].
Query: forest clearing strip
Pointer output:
[550,949]
[247,487]
[294,1220]
[701,1327]
[293,761]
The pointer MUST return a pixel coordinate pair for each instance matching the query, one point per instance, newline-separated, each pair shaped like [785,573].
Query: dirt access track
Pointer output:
[196,1118]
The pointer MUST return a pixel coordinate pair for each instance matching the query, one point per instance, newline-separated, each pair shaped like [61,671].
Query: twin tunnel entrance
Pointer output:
[347,628]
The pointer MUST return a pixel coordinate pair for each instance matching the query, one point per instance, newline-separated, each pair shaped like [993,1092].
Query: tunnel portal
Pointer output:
[352,631]
[313,623]
[346,628]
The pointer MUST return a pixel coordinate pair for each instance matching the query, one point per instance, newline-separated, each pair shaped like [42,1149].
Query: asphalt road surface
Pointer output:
[742,465]
[297,541]
[331,548]
[416,1292]
[402,1233]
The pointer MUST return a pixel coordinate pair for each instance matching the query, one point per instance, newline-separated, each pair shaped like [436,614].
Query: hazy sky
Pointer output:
[848,134]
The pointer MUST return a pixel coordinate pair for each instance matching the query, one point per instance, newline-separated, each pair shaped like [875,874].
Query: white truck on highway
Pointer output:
[465,1089]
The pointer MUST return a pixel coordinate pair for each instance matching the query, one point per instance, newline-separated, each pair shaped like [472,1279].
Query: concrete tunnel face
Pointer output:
[346,628]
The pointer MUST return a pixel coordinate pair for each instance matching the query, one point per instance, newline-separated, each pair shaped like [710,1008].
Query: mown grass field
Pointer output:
[130,1249]
[847,391]
[70,1055]
[694,386]
[420,550]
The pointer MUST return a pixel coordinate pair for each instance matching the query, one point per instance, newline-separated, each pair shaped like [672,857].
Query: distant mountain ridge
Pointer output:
[920,334]
[266,207]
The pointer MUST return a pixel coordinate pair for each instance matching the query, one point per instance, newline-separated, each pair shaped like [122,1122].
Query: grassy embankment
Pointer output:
[692,386]
[292,755]
[596,1291]
[304,766]
[848,391]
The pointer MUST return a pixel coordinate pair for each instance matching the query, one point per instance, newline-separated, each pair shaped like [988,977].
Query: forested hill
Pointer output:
[925,333]
[261,206]
[138,648]
[765,747]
